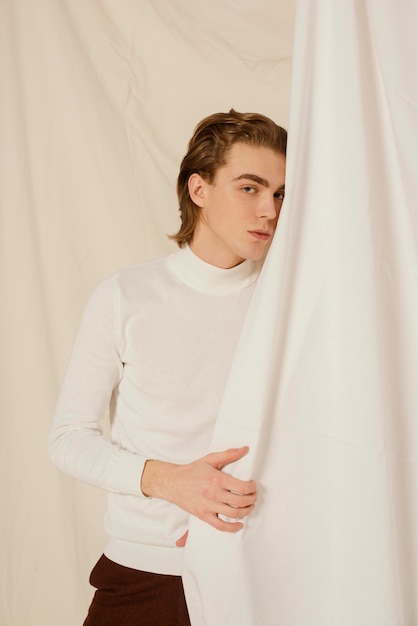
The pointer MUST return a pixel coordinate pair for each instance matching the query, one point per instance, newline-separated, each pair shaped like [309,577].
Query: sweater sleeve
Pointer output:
[76,442]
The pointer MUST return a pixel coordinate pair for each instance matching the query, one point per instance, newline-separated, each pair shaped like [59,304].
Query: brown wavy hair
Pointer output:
[208,150]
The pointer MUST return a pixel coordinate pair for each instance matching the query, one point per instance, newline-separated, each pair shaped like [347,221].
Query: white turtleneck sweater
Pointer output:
[155,345]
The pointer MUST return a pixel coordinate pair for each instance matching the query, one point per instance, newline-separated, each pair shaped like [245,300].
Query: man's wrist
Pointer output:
[155,477]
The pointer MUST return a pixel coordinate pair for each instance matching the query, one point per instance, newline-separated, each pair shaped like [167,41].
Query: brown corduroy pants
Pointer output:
[128,597]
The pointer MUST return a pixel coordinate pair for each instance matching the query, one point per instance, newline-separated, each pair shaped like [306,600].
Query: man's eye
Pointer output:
[249,189]
[279,195]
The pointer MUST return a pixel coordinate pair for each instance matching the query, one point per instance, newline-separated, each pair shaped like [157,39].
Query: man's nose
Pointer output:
[268,208]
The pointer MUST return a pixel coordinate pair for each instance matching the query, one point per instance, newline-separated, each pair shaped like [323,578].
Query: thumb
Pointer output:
[221,459]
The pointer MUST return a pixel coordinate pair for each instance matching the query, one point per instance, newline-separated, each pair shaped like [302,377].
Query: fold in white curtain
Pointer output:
[324,386]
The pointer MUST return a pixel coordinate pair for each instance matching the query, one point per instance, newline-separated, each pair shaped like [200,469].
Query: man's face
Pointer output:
[240,209]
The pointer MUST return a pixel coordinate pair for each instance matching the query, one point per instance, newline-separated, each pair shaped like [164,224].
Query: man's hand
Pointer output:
[203,489]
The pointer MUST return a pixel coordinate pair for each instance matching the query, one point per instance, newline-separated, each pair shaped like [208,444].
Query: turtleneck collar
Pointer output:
[207,278]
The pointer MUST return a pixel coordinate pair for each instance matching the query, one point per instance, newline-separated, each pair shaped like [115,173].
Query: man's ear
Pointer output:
[197,189]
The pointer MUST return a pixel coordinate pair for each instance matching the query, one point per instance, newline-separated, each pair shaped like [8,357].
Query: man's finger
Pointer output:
[240,501]
[221,459]
[228,527]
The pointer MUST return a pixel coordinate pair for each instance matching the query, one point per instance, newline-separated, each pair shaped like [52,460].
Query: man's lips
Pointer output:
[263,235]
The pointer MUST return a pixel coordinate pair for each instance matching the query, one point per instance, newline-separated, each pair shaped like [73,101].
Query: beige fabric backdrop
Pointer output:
[98,100]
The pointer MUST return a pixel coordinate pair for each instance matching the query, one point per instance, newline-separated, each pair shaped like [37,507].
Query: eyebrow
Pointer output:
[257,179]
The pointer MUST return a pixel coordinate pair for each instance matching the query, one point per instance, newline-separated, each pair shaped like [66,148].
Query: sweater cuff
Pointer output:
[129,473]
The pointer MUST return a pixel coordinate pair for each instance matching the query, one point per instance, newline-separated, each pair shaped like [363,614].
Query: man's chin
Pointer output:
[258,254]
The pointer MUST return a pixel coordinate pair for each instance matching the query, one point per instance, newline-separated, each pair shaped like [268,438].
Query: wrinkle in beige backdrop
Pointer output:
[98,101]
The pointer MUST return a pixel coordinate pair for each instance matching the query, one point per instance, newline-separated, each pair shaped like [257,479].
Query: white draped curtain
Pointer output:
[324,385]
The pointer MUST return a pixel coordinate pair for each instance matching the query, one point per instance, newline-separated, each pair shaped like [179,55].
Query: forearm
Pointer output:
[86,455]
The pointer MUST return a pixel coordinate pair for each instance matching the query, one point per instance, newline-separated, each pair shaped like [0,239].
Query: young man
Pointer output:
[156,342]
